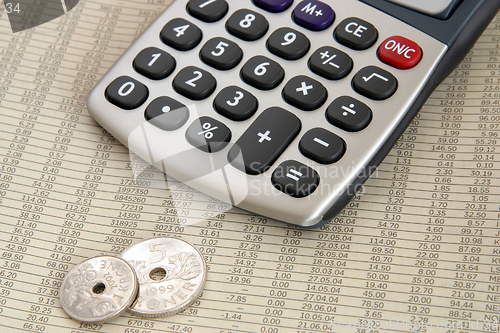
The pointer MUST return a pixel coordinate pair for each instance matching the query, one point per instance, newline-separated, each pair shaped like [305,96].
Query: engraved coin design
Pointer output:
[98,289]
[171,274]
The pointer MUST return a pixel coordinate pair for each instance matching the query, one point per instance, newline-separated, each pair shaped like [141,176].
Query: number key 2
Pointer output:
[194,83]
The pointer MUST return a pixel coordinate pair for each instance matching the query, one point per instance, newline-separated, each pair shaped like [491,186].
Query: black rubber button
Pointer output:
[288,44]
[208,134]
[247,25]
[194,83]
[181,34]
[262,73]
[235,103]
[322,146]
[167,113]
[207,10]
[154,63]
[295,179]
[126,93]
[375,83]
[356,33]
[349,114]
[221,53]
[305,93]
[264,141]
[330,63]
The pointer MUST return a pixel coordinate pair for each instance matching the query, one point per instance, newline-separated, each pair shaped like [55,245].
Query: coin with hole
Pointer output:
[98,289]
[171,274]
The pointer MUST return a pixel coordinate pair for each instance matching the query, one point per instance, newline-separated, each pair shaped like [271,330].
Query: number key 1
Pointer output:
[154,63]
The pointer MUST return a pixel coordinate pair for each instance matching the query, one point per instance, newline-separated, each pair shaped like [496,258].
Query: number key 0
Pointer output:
[126,93]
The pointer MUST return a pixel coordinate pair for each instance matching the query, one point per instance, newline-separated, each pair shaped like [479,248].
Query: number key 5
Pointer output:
[221,53]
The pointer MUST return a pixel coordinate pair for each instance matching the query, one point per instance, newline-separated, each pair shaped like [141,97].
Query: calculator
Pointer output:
[282,107]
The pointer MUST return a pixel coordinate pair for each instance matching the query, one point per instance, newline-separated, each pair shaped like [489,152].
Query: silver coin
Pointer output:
[171,274]
[98,289]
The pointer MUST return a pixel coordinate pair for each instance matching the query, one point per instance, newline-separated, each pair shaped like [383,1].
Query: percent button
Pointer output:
[208,134]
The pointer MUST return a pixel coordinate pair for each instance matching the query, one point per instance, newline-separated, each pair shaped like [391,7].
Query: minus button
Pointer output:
[321,142]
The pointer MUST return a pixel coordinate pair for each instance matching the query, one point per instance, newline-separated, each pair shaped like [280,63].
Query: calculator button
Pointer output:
[208,10]
[208,134]
[356,33]
[330,63]
[247,25]
[262,73]
[322,146]
[166,113]
[304,93]
[400,52]
[295,179]
[375,83]
[221,53]
[265,140]
[313,15]
[273,6]
[235,103]
[194,83]
[288,44]
[349,114]
[126,93]
[180,34]
[154,63]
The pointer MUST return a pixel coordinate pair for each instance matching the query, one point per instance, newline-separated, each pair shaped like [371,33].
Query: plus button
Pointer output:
[264,136]
[304,88]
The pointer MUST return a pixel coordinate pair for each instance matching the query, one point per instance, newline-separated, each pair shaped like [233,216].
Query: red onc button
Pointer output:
[400,52]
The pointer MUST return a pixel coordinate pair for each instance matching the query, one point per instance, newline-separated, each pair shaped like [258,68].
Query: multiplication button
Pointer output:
[126,93]
[322,146]
[330,63]
[349,114]
[304,93]
[295,179]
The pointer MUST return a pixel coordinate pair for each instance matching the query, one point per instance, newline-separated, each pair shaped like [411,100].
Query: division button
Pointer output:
[181,34]
[349,114]
[304,93]
[208,134]
[235,103]
[166,113]
[262,73]
[194,83]
[264,141]
[313,15]
[207,10]
[126,93]
[154,63]
[322,146]
[330,63]
[295,179]
[221,53]
[288,44]
[273,6]
[400,52]
[247,25]
[356,33]
[375,83]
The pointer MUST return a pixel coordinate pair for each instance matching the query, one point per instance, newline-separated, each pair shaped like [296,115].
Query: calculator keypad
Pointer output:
[274,129]
[247,25]
[181,34]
